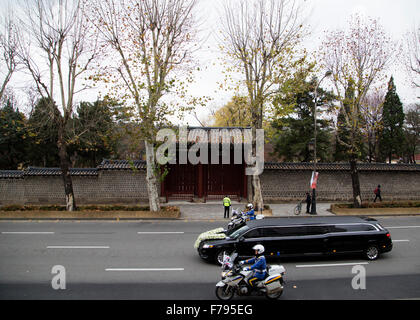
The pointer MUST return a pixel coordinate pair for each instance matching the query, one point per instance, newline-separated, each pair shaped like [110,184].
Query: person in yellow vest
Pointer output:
[226,205]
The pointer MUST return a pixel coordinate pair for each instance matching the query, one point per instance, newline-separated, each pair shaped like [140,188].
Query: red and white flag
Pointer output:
[314,179]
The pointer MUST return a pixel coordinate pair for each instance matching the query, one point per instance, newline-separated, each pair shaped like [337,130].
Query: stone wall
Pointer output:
[110,186]
[119,183]
[336,185]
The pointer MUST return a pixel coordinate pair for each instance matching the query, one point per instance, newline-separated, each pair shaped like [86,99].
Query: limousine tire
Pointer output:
[372,252]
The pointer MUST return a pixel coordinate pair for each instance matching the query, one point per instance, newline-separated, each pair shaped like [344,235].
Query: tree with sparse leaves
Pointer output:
[357,58]
[236,113]
[56,48]
[259,41]
[148,51]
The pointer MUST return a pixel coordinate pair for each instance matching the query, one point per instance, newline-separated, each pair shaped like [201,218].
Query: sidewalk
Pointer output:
[213,210]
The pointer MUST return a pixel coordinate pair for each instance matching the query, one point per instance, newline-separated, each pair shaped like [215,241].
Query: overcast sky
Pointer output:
[397,17]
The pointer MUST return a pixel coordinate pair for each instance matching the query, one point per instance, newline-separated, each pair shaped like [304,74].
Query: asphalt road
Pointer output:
[155,260]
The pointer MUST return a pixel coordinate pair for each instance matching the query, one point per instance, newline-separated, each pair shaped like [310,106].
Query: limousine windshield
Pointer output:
[238,232]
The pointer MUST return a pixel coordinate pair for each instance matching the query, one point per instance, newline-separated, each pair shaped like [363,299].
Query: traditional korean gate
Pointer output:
[181,181]
[225,179]
[209,181]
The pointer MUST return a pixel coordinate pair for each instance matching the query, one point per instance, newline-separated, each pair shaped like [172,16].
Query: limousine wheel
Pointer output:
[372,252]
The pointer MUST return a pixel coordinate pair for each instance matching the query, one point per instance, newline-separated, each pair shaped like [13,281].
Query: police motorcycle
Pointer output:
[235,280]
[240,217]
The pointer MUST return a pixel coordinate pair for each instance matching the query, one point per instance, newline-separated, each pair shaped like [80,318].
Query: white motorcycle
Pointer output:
[240,217]
[235,280]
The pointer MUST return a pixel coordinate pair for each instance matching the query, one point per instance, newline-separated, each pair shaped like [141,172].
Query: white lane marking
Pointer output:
[161,232]
[144,269]
[329,265]
[26,232]
[402,227]
[400,240]
[77,247]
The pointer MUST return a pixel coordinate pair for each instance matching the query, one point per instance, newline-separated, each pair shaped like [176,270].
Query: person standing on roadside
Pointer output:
[308,202]
[226,205]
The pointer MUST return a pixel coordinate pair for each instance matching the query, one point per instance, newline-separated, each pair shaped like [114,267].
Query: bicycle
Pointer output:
[298,209]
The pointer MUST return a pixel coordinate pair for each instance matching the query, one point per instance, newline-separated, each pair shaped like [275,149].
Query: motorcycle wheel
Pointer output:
[219,256]
[225,293]
[274,296]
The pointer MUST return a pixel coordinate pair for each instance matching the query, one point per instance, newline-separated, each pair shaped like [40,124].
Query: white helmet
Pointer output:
[249,205]
[259,248]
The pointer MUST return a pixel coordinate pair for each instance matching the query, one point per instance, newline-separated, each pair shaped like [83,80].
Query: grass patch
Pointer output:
[383,204]
[94,208]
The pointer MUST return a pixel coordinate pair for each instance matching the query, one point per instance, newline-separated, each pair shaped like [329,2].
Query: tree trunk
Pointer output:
[65,173]
[357,199]
[152,182]
[256,182]
[257,193]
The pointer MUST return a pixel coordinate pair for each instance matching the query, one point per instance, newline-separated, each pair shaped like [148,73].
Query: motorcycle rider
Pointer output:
[250,212]
[259,265]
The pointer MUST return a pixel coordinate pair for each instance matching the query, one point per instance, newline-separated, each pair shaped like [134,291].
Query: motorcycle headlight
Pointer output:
[226,273]
[207,246]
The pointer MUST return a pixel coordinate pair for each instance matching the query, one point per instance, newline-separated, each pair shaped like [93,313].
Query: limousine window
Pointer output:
[294,231]
[285,231]
[351,228]
[315,230]
[256,233]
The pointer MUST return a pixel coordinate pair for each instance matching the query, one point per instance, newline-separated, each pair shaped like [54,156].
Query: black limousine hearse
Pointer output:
[296,236]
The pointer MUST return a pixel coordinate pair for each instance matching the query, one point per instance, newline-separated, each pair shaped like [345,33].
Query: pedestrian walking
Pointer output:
[226,205]
[377,193]
[308,202]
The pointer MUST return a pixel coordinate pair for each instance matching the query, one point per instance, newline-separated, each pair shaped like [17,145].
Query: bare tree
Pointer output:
[150,40]
[357,59]
[371,113]
[259,38]
[9,36]
[56,51]
[412,56]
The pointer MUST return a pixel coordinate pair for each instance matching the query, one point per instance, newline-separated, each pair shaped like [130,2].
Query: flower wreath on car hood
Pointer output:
[214,234]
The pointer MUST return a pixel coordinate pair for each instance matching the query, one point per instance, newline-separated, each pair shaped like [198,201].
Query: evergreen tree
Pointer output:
[294,133]
[13,137]
[43,151]
[392,136]
[95,133]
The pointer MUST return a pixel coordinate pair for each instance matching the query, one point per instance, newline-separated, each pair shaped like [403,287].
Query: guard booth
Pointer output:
[206,181]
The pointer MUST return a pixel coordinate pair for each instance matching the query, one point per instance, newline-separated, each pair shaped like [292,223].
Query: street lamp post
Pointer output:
[313,205]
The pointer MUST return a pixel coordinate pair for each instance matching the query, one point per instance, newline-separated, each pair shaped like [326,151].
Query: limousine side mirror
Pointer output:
[241,239]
